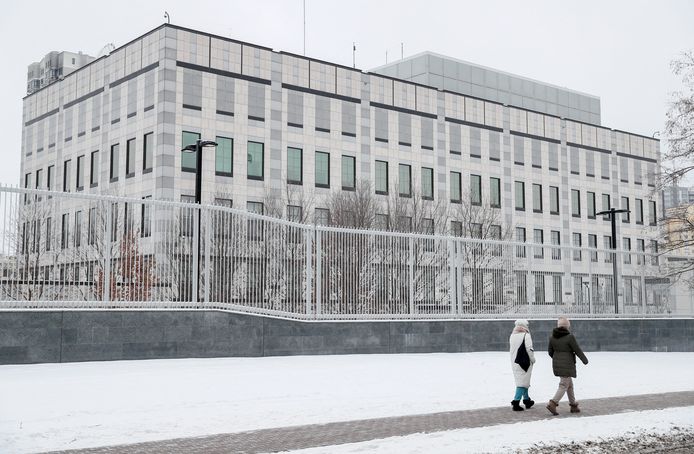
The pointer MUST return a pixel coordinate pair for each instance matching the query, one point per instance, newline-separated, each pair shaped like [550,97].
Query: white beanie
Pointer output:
[522,322]
[563,322]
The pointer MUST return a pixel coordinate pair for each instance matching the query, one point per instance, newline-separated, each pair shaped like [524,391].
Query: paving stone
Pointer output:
[317,435]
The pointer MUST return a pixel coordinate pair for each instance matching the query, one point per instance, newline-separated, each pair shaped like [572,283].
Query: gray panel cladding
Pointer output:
[34,337]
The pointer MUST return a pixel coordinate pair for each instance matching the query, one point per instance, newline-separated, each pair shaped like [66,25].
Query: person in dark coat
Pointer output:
[563,349]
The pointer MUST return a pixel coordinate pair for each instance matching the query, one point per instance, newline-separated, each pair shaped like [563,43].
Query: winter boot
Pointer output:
[528,403]
[574,408]
[552,407]
[515,405]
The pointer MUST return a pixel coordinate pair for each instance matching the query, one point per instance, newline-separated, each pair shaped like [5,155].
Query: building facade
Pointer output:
[674,196]
[117,125]
[54,66]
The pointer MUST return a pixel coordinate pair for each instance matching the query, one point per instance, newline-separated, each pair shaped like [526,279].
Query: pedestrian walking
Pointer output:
[563,349]
[522,360]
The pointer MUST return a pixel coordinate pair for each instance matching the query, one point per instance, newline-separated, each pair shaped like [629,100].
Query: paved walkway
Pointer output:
[316,435]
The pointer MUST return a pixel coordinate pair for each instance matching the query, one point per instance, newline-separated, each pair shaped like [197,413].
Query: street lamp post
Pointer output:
[197,149]
[612,213]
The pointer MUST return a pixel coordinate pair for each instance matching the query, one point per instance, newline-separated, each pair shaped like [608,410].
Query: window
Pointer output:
[575,161]
[130,158]
[607,245]
[495,192]
[652,212]
[553,200]
[381,177]
[495,234]
[322,216]
[575,203]
[537,198]
[626,217]
[555,238]
[404,129]
[79,183]
[349,172]
[577,243]
[146,218]
[456,194]
[639,211]
[654,252]
[66,175]
[64,231]
[254,226]
[590,200]
[94,169]
[49,233]
[381,125]
[538,235]
[427,135]
[641,248]
[623,169]
[518,151]
[256,161]
[553,157]
[186,216]
[349,119]
[294,213]
[49,177]
[604,166]
[520,196]
[593,244]
[113,164]
[189,158]
[78,228]
[404,180]
[475,190]
[295,163]
[590,163]
[91,227]
[606,206]
[322,169]
[626,245]
[427,183]
[225,95]
[256,101]
[520,238]
[536,154]
[223,157]
[456,228]
[322,114]
[147,152]
[39,179]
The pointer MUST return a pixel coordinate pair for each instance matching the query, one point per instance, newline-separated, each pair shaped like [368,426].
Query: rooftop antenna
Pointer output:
[167,17]
[304,27]
[386,57]
[354,55]
[402,51]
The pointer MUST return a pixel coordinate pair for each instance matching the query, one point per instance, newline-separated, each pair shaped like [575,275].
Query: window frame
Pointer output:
[317,184]
[250,176]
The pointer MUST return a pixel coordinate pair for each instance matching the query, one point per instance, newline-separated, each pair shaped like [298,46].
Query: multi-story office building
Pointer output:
[117,126]
[674,196]
[54,66]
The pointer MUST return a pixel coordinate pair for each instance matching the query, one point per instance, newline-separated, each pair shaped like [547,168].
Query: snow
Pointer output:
[76,405]
[514,437]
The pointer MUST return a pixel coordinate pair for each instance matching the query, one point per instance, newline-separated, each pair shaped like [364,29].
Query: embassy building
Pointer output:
[450,129]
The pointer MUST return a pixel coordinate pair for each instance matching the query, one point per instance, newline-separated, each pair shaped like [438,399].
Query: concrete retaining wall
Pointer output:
[66,336]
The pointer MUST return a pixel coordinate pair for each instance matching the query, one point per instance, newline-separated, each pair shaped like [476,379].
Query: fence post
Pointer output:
[195,278]
[309,270]
[107,253]
[206,214]
[411,273]
[319,276]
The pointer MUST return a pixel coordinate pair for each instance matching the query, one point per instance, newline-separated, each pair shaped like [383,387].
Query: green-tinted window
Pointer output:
[576,203]
[404,180]
[188,158]
[520,196]
[475,190]
[224,156]
[427,183]
[294,165]
[381,177]
[554,200]
[348,172]
[456,195]
[148,151]
[256,160]
[495,192]
[590,201]
[322,169]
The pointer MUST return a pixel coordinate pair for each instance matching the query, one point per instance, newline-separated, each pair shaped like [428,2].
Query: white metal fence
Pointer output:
[67,250]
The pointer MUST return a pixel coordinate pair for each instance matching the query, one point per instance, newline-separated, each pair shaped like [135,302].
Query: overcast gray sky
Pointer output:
[617,50]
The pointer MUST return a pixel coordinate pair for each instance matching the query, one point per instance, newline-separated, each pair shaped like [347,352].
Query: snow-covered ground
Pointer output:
[73,405]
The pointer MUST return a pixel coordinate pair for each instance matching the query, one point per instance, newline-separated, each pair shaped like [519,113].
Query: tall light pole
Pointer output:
[612,212]
[197,149]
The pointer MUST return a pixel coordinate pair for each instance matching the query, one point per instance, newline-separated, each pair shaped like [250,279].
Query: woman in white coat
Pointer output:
[522,360]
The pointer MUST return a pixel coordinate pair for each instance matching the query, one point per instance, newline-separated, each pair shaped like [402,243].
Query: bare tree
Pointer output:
[679,126]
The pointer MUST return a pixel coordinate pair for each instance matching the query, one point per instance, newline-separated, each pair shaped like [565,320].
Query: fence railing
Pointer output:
[74,250]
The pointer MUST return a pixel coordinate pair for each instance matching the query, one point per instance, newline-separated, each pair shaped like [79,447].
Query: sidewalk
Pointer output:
[316,435]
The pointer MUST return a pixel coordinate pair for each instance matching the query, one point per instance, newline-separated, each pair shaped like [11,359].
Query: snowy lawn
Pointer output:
[72,405]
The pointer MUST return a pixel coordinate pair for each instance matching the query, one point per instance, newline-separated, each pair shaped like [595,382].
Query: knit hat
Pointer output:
[563,322]
[522,322]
